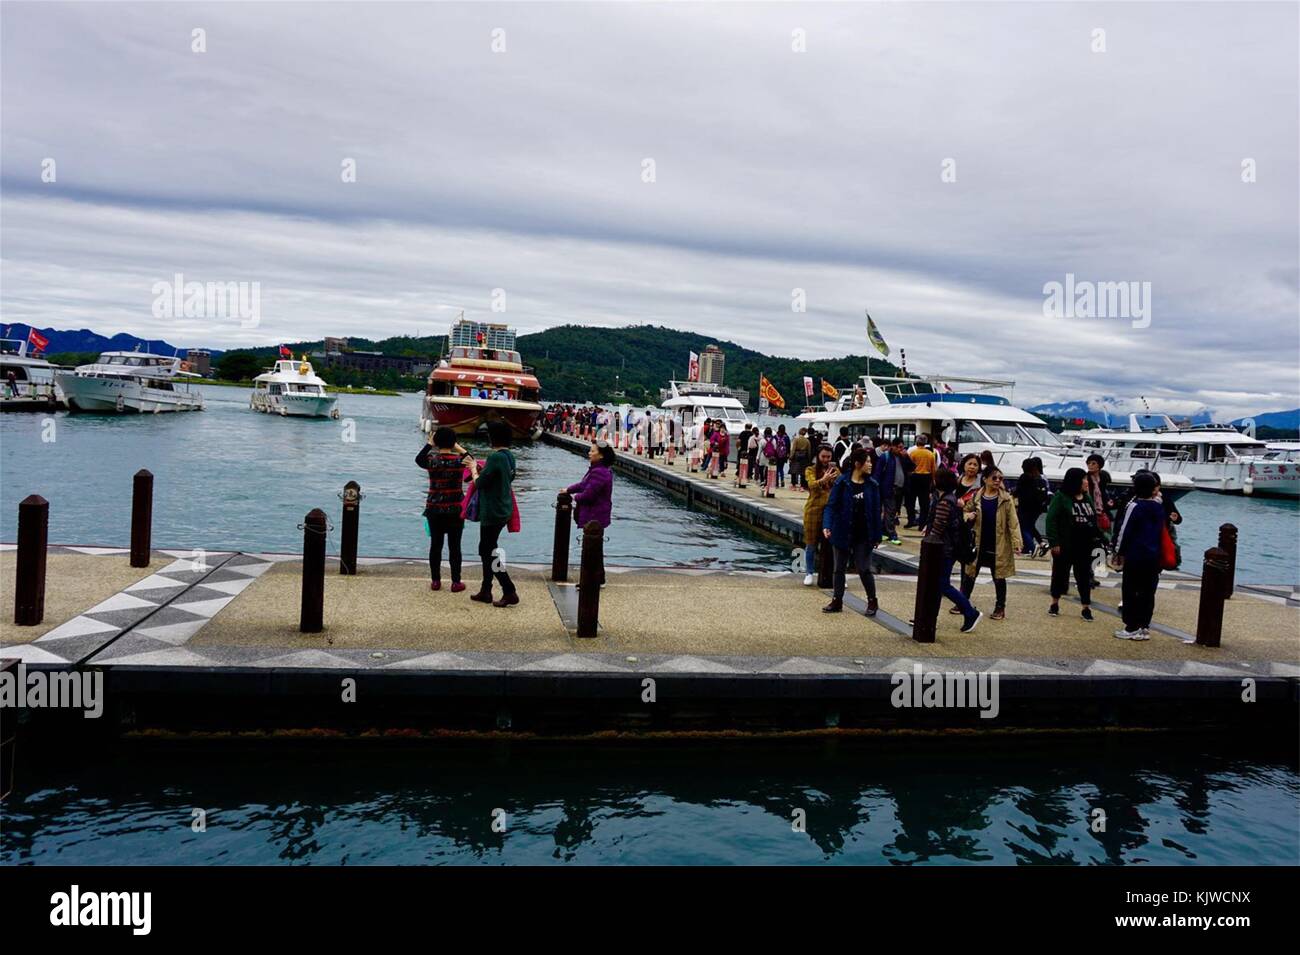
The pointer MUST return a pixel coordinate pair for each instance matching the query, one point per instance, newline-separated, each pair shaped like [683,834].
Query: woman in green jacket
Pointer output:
[1071,532]
[495,505]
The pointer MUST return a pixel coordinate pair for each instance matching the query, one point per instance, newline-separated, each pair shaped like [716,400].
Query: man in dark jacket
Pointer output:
[1137,554]
[851,522]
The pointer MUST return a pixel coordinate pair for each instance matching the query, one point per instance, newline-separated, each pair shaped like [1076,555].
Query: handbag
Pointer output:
[1168,552]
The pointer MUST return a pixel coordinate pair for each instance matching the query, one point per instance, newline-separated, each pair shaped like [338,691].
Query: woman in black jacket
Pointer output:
[948,526]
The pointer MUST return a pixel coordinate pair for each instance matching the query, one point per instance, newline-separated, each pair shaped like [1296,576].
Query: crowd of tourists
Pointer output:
[859,493]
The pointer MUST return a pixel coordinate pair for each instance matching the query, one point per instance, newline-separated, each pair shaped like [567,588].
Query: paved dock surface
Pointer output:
[241,610]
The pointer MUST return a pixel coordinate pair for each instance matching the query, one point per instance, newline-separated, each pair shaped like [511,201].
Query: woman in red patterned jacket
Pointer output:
[442,505]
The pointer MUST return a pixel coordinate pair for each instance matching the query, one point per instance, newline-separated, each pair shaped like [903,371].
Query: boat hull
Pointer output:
[466,418]
[121,396]
[296,406]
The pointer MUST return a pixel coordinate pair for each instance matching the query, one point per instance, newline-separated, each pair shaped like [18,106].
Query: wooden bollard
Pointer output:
[713,465]
[1228,544]
[769,483]
[593,568]
[311,619]
[1209,614]
[925,613]
[141,518]
[29,576]
[563,527]
[351,520]
[742,473]
[825,564]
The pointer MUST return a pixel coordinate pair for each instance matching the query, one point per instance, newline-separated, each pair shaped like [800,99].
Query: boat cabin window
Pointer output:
[969,433]
[20,373]
[275,388]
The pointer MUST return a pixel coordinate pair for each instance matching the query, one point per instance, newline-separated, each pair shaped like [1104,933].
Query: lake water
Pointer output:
[227,478]
[913,802]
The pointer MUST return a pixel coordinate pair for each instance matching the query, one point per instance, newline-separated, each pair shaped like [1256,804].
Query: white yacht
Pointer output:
[121,381]
[33,387]
[973,415]
[1217,457]
[292,388]
[691,403]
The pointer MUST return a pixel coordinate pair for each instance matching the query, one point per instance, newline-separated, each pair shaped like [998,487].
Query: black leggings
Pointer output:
[487,542]
[1078,559]
[450,527]
[999,583]
[861,552]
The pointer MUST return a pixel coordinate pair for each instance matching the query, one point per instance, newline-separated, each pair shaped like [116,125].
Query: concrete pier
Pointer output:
[725,649]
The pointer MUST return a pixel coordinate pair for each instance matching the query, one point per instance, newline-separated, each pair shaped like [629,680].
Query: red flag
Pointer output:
[38,341]
[285,352]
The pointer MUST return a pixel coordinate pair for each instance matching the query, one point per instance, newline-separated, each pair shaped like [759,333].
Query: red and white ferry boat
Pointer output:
[481,379]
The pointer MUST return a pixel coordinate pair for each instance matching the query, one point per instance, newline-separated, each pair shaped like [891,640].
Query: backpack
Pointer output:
[965,547]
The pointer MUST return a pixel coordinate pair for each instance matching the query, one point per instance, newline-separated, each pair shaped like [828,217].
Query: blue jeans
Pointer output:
[810,559]
[1028,534]
[953,594]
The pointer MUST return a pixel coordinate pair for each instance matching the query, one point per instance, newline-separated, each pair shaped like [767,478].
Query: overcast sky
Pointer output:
[774,170]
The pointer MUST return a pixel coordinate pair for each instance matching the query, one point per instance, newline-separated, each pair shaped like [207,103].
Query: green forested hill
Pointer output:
[578,363]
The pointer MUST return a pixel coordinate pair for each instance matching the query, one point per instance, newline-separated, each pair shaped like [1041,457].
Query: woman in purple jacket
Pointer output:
[593,495]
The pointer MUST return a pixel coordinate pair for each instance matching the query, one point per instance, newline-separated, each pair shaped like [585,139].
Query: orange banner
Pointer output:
[767,390]
[829,390]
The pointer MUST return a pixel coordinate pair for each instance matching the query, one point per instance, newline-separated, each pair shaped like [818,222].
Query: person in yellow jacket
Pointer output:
[819,476]
[997,536]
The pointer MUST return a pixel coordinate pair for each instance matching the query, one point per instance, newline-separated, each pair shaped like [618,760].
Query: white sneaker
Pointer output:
[809,580]
[1129,634]
[1146,634]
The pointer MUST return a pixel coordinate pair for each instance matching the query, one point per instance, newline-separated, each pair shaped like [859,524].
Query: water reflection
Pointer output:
[883,804]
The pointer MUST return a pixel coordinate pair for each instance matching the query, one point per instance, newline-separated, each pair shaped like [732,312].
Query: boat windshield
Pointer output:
[1001,433]
[732,414]
[1043,435]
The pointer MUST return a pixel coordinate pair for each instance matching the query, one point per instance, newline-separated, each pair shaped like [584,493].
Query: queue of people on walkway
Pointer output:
[856,492]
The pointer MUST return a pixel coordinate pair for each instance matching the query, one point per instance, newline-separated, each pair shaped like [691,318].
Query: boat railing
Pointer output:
[1129,459]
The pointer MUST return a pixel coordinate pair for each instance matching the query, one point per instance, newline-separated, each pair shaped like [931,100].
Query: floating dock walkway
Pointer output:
[216,648]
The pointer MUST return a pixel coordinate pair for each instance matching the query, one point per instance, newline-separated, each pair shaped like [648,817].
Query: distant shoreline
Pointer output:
[335,389]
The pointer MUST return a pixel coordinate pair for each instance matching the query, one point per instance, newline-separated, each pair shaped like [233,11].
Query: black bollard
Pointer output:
[589,578]
[351,519]
[312,616]
[1209,615]
[141,518]
[825,564]
[1228,544]
[925,614]
[29,576]
[563,527]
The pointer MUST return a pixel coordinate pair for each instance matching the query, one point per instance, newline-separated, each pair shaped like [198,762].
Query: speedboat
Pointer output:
[33,385]
[691,403]
[292,389]
[973,415]
[1216,457]
[122,381]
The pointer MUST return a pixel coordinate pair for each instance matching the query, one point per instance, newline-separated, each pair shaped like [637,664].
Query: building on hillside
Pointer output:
[334,346]
[372,361]
[200,360]
[713,364]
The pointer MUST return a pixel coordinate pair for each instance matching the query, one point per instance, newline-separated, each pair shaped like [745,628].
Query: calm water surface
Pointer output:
[914,802]
[229,478]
